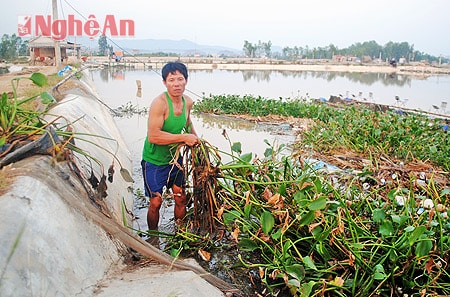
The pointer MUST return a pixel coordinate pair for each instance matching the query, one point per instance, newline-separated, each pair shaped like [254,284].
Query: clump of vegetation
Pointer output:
[24,132]
[376,227]
[16,120]
[349,127]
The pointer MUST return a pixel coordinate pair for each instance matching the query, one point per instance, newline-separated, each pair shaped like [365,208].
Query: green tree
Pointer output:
[371,48]
[267,47]
[103,46]
[249,49]
[262,49]
[332,50]
[11,46]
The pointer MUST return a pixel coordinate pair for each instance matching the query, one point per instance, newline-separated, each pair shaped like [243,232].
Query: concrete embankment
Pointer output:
[62,225]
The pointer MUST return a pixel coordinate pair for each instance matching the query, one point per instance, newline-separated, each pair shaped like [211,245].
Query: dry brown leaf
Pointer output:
[235,234]
[220,212]
[261,272]
[264,237]
[274,200]
[267,194]
[429,265]
[247,198]
[305,184]
[206,256]
[338,281]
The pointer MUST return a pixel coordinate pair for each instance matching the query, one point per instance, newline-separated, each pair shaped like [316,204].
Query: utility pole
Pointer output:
[57,48]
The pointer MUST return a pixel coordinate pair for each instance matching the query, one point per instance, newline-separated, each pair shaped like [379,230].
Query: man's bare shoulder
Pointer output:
[188,99]
[160,99]
[159,104]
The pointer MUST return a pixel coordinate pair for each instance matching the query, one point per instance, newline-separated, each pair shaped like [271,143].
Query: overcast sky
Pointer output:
[421,23]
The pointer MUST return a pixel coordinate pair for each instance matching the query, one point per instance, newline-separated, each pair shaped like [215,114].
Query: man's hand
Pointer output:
[190,139]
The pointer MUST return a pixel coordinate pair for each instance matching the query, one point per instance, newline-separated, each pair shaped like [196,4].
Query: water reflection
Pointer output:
[107,74]
[387,79]
[383,88]
[251,135]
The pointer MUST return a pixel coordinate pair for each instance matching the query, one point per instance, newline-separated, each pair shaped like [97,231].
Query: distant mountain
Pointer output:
[181,47]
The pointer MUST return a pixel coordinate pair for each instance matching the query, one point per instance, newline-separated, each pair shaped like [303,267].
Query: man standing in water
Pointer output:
[169,125]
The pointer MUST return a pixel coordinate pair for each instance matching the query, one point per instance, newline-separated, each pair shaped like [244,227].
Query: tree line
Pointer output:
[371,49]
[11,47]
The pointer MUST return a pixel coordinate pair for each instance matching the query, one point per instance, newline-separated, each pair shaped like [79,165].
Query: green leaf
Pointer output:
[246,157]
[378,215]
[322,250]
[445,192]
[38,79]
[47,98]
[309,262]
[277,235]
[319,203]
[307,218]
[248,245]
[175,252]
[409,229]
[306,289]
[379,272]
[392,194]
[236,147]
[268,152]
[297,271]
[318,184]
[292,282]
[2,140]
[424,247]
[247,210]
[386,228]
[433,149]
[399,219]
[416,234]
[379,276]
[267,222]
[230,216]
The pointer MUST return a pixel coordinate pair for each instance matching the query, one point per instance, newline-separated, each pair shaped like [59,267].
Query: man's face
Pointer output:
[175,83]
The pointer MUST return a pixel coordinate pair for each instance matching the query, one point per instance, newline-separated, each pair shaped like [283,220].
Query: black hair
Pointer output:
[172,67]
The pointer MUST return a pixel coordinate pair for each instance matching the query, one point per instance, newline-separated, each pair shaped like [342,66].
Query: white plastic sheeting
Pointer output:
[49,244]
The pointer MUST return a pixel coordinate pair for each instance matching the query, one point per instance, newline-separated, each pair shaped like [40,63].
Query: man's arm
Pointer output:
[189,124]
[156,135]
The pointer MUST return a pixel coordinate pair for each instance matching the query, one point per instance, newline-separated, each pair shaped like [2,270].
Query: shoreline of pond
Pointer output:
[203,63]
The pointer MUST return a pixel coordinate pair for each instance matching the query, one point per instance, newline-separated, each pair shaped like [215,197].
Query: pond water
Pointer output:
[412,91]
[119,87]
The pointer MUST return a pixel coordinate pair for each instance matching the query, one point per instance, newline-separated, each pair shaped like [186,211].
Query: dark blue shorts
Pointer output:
[157,177]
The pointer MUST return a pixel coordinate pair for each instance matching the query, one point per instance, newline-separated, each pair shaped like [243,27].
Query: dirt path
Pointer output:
[24,84]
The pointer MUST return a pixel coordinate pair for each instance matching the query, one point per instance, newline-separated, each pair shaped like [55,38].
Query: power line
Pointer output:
[120,47]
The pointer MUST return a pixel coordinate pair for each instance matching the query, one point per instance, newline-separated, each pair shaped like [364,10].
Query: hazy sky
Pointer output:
[285,23]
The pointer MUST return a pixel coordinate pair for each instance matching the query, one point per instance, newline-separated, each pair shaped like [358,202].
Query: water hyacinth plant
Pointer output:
[360,128]
[317,236]
[379,228]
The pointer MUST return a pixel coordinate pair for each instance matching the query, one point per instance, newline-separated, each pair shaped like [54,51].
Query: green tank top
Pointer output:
[163,154]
